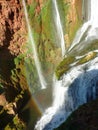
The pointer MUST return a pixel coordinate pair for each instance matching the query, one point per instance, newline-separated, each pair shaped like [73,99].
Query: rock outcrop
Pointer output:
[12,79]
[12,26]
[73,19]
[85,117]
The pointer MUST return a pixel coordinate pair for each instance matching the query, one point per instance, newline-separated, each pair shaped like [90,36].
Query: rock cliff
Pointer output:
[85,117]
[12,80]
[17,68]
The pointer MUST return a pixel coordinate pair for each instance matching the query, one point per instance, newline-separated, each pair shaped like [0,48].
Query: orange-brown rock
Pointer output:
[12,25]
[73,19]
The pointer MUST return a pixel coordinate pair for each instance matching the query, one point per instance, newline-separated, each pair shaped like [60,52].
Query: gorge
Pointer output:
[48,64]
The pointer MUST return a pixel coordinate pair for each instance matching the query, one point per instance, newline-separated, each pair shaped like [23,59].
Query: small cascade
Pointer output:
[36,59]
[94,14]
[59,27]
[93,19]
[58,93]
[89,29]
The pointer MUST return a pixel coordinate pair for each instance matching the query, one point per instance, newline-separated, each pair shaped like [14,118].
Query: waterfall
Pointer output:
[36,59]
[80,84]
[59,26]
[77,87]
[54,115]
[90,27]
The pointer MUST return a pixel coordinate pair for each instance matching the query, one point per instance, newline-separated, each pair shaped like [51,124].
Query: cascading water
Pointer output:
[90,27]
[36,59]
[80,84]
[77,87]
[59,26]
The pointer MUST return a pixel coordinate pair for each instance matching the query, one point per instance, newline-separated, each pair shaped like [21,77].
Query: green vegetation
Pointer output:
[11,117]
[31,9]
[18,74]
[16,124]
[88,53]
[24,75]
[31,75]
[43,28]
[64,66]
[87,58]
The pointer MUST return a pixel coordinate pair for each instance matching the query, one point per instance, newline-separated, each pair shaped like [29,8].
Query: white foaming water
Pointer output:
[94,19]
[54,115]
[94,14]
[59,26]
[36,59]
[90,27]
[58,93]
[78,86]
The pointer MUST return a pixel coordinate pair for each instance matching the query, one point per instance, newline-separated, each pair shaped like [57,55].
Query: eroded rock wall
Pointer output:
[41,16]
[12,39]
[12,26]
[17,67]
[73,19]
[16,59]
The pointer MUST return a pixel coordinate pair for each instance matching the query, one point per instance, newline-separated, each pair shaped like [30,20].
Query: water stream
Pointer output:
[58,24]
[36,59]
[89,29]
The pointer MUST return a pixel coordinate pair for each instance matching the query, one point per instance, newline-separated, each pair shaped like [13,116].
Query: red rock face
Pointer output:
[11,25]
[12,38]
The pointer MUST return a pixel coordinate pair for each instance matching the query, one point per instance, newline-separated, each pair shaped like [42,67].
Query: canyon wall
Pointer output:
[17,68]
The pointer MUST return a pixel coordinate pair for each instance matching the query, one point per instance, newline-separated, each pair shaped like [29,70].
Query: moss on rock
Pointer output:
[64,66]
[16,124]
